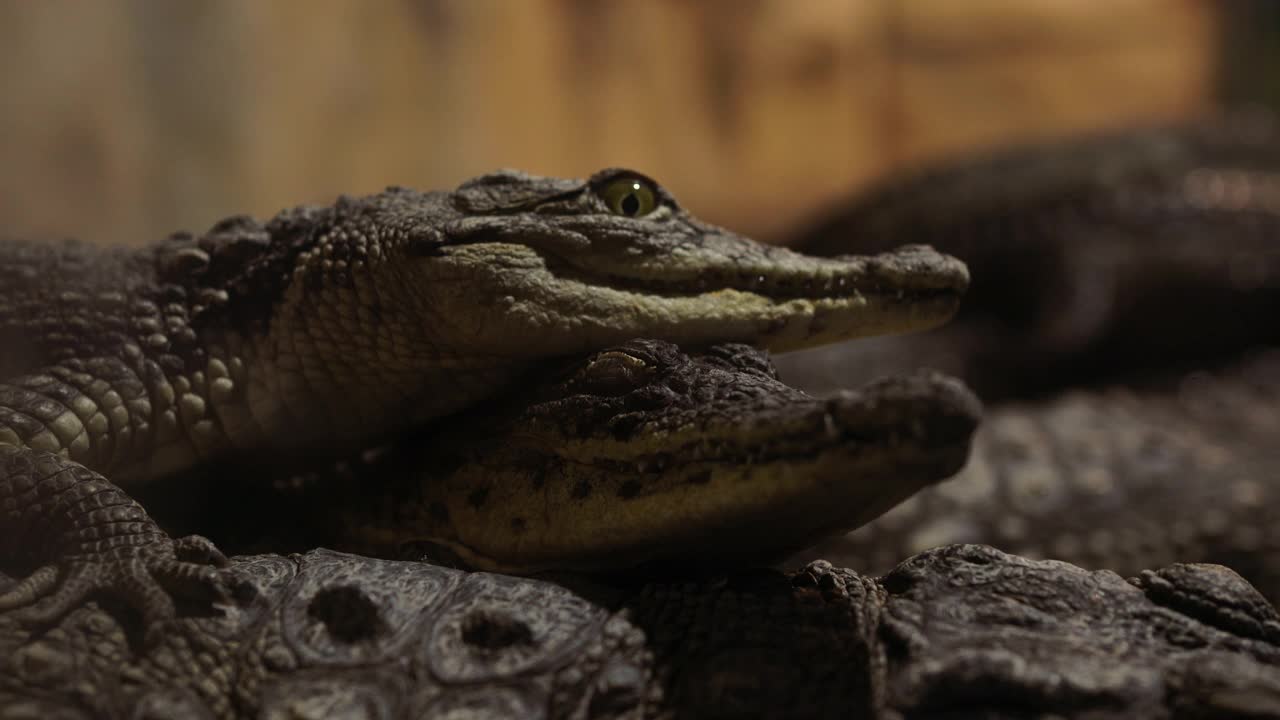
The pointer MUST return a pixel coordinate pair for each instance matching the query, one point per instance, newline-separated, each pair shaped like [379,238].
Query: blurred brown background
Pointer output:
[123,120]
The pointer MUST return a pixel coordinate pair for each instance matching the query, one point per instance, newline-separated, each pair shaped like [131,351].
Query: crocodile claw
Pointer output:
[142,576]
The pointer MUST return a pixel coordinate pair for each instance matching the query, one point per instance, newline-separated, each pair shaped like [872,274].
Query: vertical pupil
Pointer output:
[630,204]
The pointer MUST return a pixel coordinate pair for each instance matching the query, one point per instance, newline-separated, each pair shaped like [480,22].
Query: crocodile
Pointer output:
[638,456]
[327,330]
[959,631]
[1092,255]
[1124,478]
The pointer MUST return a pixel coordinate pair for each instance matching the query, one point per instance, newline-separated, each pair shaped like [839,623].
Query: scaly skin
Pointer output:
[643,455]
[327,329]
[959,632]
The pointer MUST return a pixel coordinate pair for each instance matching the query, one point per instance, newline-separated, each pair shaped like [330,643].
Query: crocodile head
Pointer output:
[642,454]
[379,313]
[543,266]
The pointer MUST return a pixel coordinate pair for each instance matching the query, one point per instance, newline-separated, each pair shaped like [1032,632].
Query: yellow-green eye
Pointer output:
[628,196]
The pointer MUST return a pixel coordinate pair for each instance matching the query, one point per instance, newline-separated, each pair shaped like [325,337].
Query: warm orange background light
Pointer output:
[122,121]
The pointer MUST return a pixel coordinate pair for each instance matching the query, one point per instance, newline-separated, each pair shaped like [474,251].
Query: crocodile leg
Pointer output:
[72,528]
[87,535]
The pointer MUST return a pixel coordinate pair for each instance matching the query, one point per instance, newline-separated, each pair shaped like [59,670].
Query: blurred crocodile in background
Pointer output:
[1095,258]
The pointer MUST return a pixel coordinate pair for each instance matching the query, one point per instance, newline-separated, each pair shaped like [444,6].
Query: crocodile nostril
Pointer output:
[494,631]
[347,613]
[618,689]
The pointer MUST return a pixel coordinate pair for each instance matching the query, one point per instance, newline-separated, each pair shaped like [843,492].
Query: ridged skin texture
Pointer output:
[963,629]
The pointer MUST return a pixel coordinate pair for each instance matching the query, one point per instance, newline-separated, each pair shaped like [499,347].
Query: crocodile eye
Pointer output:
[612,373]
[629,197]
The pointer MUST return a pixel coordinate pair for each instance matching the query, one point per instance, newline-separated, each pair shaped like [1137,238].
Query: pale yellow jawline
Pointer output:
[605,531]
[541,313]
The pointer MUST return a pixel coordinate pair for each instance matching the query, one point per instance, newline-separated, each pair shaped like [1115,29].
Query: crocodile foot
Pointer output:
[144,576]
[87,537]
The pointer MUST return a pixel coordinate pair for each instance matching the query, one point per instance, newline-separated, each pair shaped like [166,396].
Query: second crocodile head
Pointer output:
[641,453]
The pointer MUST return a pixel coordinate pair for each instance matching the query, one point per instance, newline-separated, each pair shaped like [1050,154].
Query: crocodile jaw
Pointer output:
[538,307]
